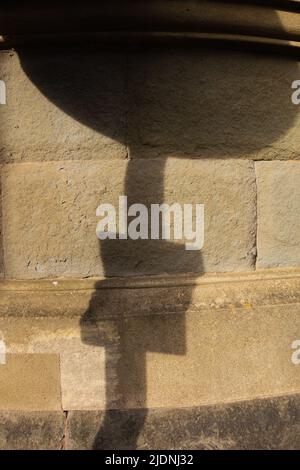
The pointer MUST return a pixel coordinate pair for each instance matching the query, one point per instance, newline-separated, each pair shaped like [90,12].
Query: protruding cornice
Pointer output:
[115,297]
[270,20]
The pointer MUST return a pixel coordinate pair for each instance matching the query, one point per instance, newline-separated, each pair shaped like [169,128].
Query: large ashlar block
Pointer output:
[212,103]
[32,430]
[30,382]
[209,357]
[81,375]
[57,110]
[78,102]
[49,217]
[278,234]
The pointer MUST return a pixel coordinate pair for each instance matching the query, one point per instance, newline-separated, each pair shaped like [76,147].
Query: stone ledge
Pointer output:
[110,297]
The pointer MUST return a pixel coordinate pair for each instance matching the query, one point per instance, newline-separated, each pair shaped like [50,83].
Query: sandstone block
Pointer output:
[81,375]
[212,103]
[209,357]
[62,106]
[30,382]
[31,430]
[278,234]
[49,216]
[91,104]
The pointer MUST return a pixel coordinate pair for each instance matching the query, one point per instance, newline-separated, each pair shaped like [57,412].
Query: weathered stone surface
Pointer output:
[278,235]
[81,374]
[50,222]
[212,103]
[227,338]
[72,106]
[209,357]
[272,423]
[83,380]
[68,300]
[30,382]
[32,430]
[190,103]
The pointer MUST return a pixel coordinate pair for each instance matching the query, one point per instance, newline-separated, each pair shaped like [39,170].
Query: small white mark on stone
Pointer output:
[55,283]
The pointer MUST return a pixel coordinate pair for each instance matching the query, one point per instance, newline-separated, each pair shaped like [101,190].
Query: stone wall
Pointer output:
[83,125]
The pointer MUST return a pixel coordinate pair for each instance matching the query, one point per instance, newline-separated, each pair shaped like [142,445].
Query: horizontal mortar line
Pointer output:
[153,159]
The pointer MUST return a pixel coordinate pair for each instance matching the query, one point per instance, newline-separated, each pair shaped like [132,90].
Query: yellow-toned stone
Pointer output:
[81,374]
[184,102]
[30,382]
[49,217]
[278,211]
[34,127]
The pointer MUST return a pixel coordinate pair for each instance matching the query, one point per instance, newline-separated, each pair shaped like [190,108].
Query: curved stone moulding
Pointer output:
[266,21]
[154,295]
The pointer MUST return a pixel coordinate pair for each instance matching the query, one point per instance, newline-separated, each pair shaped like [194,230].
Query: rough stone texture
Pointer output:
[86,122]
[209,357]
[81,377]
[278,235]
[273,423]
[30,382]
[212,103]
[49,217]
[31,430]
[177,346]
[113,298]
[183,346]
[187,102]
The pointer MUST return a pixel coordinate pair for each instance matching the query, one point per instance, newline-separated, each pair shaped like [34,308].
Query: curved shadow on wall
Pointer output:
[164,101]
[188,104]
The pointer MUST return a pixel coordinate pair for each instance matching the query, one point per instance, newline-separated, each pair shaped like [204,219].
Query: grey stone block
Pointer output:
[49,217]
[278,223]
[271,423]
[31,430]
